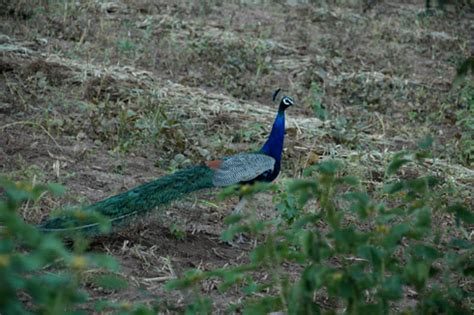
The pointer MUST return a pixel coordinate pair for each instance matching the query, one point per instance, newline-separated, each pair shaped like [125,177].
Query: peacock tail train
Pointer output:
[237,169]
[136,201]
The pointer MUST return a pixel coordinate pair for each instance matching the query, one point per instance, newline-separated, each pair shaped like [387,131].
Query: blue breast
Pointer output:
[274,146]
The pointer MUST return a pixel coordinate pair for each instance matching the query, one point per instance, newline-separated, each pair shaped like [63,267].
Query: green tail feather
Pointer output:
[134,202]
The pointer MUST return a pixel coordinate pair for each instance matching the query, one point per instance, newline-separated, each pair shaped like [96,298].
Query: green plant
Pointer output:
[465,121]
[362,254]
[125,46]
[37,271]
[317,94]
[467,138]
[177,232]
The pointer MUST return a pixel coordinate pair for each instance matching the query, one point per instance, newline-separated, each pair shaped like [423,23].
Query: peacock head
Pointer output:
[285,101]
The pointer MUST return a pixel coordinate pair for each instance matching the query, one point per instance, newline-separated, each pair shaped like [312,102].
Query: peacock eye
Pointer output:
[287,101]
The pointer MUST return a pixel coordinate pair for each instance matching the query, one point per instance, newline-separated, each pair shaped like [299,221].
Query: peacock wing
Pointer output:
[242,168]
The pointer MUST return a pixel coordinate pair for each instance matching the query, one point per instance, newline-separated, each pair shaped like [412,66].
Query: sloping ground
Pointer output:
[103,96]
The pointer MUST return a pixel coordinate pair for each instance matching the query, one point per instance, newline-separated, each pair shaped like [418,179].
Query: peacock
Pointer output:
[243,168]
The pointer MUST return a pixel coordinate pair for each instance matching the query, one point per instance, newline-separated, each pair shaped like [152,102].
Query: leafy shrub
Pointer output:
[331,241]
[38,272]
[465,112]
[364,255]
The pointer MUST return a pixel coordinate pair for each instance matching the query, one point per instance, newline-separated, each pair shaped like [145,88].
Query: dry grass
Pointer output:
[102,96]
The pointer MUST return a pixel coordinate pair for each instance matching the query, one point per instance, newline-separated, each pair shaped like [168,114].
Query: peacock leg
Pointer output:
[240,206]
[239,238]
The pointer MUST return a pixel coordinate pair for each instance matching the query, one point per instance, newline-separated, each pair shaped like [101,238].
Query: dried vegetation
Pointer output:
[101,96]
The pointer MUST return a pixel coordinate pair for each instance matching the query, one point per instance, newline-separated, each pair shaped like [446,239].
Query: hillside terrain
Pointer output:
[101,96]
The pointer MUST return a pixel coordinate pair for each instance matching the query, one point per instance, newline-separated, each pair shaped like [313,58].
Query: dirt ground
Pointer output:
[103,96]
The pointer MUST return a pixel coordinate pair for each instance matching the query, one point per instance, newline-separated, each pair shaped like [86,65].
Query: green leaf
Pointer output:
[229,191]
[202,305]
[110,281]
[190,278]
[307,219]
[391,288]
[347,238]
[460,243]
[469,271]
[56,189]
[417,273]
[302,185]
[393,188]
[228,234]
[373,255]
[462,213]
[349,180]
[263,305]
[232,219]
[371,309]
[288,206]
[360,203]
[396,234]
[329,167]
[423,218]
[314,247]
[463,70]
[396,164]
[104,261]
[422,184]
[258,254]
[425,252]
[230,277]
[426,142]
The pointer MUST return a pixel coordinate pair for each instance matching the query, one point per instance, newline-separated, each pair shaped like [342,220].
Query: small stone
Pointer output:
[81,136]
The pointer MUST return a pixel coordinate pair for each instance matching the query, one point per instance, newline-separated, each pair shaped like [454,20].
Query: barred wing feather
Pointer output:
[242,168]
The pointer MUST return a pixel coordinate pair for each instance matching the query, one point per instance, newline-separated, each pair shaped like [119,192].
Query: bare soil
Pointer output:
[104,96]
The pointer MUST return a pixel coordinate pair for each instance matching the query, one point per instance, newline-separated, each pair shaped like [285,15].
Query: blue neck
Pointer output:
[274,145]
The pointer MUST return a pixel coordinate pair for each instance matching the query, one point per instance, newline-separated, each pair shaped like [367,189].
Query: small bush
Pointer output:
[362,255]
[37,271]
